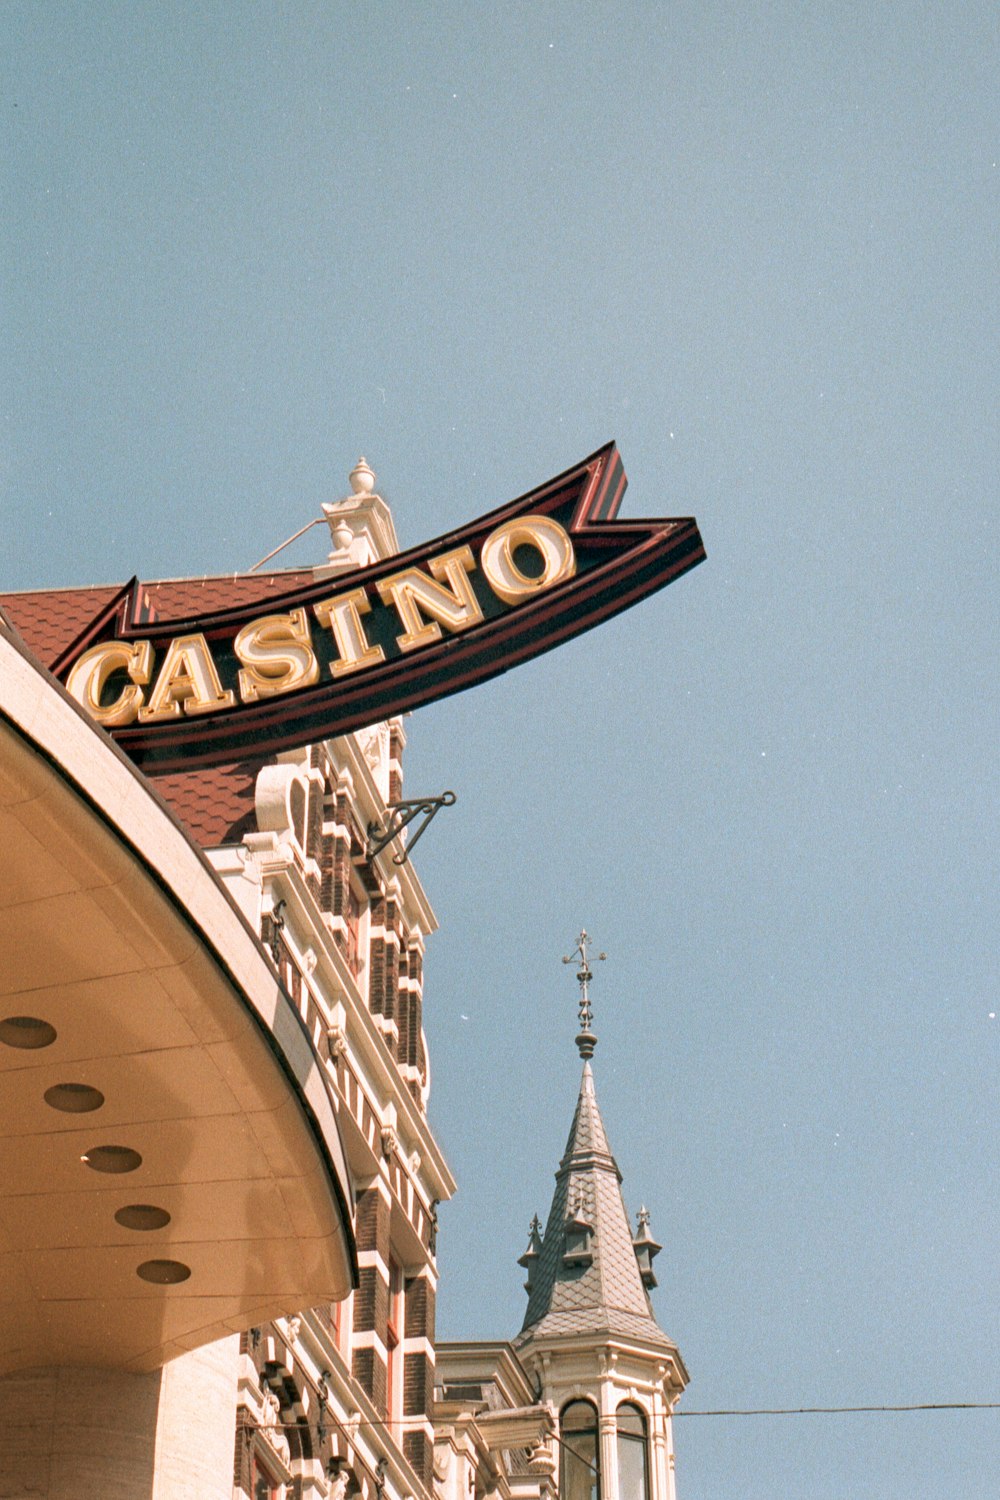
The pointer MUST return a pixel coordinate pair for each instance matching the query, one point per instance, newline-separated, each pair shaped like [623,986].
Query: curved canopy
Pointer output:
[170,1165]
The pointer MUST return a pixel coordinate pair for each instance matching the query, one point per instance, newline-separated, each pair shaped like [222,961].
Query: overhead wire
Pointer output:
[375,1425]
[801,1411]
[351,1430]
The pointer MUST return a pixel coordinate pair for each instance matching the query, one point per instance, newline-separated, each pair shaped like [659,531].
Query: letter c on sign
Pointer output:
[87,679]
[547,537]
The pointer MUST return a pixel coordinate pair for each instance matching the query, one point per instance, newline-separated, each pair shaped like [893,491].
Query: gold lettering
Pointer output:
[342,614]
[87,679]
[188,683]
[277,656]
[455,606]
[547,537]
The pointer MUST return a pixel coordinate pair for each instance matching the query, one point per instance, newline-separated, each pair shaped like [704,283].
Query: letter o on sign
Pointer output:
[547,537]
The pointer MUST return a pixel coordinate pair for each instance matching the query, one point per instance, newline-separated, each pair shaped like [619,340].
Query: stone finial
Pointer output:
[646,1249]
[542,1461]
[361,526]
[362,478]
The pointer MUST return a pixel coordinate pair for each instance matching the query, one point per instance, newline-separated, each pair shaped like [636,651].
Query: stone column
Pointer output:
[608,1435]
[80,1431]
[193,1458]
[660,1473]
[670,1492]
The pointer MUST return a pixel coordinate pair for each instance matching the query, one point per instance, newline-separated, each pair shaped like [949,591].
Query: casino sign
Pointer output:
[331,656]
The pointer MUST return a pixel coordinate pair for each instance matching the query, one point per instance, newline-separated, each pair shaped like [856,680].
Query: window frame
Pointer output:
[633,1410]
[355,910]
[394,1329]
[260,1469]
[592,1431]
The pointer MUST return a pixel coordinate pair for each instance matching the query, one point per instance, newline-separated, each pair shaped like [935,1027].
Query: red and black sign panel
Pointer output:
[567,565]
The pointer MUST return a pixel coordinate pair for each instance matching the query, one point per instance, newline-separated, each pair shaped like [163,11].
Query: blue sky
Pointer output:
[757,246]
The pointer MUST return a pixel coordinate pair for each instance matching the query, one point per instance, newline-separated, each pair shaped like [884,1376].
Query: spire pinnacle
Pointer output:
[586,1041]
[646,1248]
[530,1257]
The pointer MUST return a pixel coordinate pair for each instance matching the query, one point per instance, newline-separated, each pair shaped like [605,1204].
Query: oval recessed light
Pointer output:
[142,1216]
[163,1272]
[27,1032]
[74,1098]
[112,1159]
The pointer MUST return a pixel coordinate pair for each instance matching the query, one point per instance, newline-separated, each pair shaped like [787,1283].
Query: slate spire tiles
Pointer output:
[587,1137]
[588,1282]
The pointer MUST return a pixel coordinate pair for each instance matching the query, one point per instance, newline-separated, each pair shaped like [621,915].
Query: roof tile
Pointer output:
[186,598]
[216,803]
[50,620]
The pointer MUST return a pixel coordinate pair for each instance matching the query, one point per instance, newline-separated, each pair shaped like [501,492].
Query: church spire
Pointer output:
[587,1274]
[590,1340]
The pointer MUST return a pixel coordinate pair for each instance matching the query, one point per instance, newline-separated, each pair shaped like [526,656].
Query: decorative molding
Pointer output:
[272,797]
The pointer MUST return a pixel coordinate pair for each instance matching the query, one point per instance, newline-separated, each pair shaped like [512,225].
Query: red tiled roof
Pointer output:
[182,598]
[51,620]
[215,803]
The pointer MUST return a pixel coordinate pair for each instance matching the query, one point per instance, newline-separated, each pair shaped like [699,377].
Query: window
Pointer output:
[633,1458]
[352,916]
[579,1461]
[263,1485]
[393,1343]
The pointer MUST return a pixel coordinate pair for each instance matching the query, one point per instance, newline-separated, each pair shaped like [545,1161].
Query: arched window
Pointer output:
[633,1454]
[579,1454]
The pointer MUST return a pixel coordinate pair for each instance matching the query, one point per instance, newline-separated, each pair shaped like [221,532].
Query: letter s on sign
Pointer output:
[543,534]
[277,656]
[90,673]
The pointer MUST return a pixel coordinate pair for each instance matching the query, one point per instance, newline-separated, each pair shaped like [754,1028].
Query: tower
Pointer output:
[590,1338]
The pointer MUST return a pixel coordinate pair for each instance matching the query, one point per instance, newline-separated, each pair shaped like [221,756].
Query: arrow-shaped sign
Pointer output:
[339,653]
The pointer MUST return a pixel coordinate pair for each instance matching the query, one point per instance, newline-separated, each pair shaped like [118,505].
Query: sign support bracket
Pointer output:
[398,816]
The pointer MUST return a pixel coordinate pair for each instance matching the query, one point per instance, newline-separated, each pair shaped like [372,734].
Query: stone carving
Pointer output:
[541,1460]
[338,1485]
[374,744]
[270,1426]
[272,798]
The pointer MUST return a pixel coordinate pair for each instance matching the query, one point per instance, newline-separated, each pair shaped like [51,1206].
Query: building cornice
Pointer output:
[611,1355]
[332,976]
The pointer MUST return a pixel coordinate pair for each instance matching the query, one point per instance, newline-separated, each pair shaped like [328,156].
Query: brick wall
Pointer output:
[371,1300]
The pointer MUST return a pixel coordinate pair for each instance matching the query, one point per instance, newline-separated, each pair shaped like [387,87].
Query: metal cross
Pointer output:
[586,1041]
